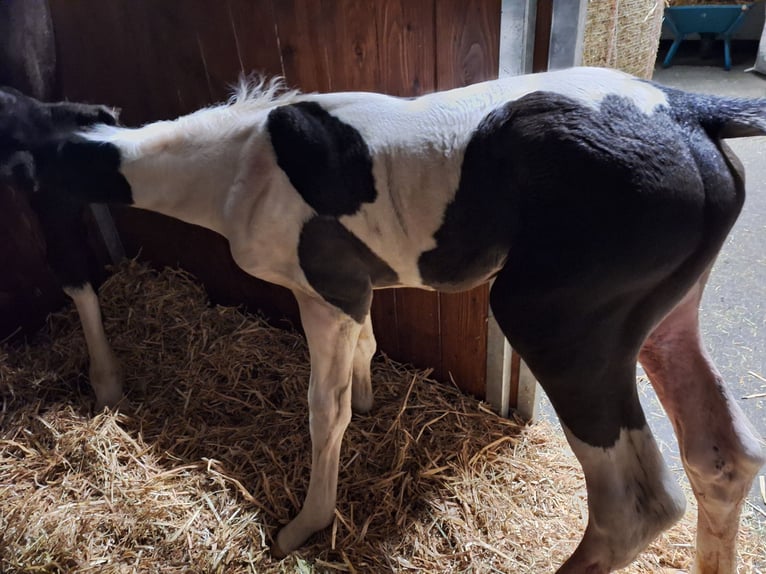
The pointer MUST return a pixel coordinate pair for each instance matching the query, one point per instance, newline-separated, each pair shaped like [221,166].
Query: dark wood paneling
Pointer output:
[385,324]
[27,51]
[406,44]
[28,289]
[417,313]
[158,60]
[328,45]
[467,48]
[467,42]
[543,23]
[464,338]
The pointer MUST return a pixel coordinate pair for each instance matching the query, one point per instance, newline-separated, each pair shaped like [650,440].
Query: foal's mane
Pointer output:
[251,94]
[259,92]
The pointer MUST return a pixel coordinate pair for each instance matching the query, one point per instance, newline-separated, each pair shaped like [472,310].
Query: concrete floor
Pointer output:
[733,310]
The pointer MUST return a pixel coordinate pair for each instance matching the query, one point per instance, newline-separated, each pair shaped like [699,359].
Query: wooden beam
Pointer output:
[543,22]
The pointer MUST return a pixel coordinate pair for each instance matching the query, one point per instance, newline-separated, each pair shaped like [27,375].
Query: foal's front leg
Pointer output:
[361,384]
[332,338]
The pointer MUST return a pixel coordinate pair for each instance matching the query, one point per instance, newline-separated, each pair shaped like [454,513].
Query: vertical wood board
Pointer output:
[328,45]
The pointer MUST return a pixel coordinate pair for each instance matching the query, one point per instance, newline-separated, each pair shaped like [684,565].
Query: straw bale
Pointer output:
[211,455]
[623,34]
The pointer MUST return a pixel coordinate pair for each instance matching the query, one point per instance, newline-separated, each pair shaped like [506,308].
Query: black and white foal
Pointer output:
[596,201]
[24,124]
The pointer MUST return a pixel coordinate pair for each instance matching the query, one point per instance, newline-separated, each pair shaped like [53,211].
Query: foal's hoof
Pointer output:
[107,384]
[276,551]
[362,396]
[362,405]
[121,405]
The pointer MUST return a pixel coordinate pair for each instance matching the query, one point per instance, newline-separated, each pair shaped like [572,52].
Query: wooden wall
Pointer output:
[157,60]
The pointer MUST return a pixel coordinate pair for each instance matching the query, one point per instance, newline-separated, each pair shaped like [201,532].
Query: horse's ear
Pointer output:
[82,115]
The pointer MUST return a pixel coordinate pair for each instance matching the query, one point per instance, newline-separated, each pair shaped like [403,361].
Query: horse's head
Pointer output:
[31,131]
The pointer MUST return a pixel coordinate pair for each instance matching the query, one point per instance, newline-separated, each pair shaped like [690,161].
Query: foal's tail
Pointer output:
[720,117]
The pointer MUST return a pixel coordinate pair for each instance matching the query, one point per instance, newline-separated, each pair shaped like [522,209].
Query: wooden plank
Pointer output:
[385,324]
[328,45]
[28,288]
[464,339]
[467,42]
[406,46]
[499,368]
[543,24]
[417,312]
[527,396]
[158,60]
[467,47]
[514,384]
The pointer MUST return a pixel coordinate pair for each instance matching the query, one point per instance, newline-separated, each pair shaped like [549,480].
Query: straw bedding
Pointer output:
[211,455]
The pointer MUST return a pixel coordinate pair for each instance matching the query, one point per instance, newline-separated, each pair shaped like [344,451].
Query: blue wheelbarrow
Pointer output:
[708,21]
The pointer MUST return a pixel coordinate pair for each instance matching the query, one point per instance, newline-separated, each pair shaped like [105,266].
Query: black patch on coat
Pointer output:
[340,267]
[474,236]
[326,160]
[614,215]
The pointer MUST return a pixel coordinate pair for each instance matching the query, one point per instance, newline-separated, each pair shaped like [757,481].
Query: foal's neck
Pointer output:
[182,168]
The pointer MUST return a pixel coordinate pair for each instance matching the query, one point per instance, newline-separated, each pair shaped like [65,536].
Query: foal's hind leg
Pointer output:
[720,450]
[361,384]
[578,351]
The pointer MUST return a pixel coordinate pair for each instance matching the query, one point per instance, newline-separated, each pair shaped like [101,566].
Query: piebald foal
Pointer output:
[596,201]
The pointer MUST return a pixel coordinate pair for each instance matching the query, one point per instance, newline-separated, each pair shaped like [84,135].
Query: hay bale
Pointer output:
[623,34]
[212,456]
